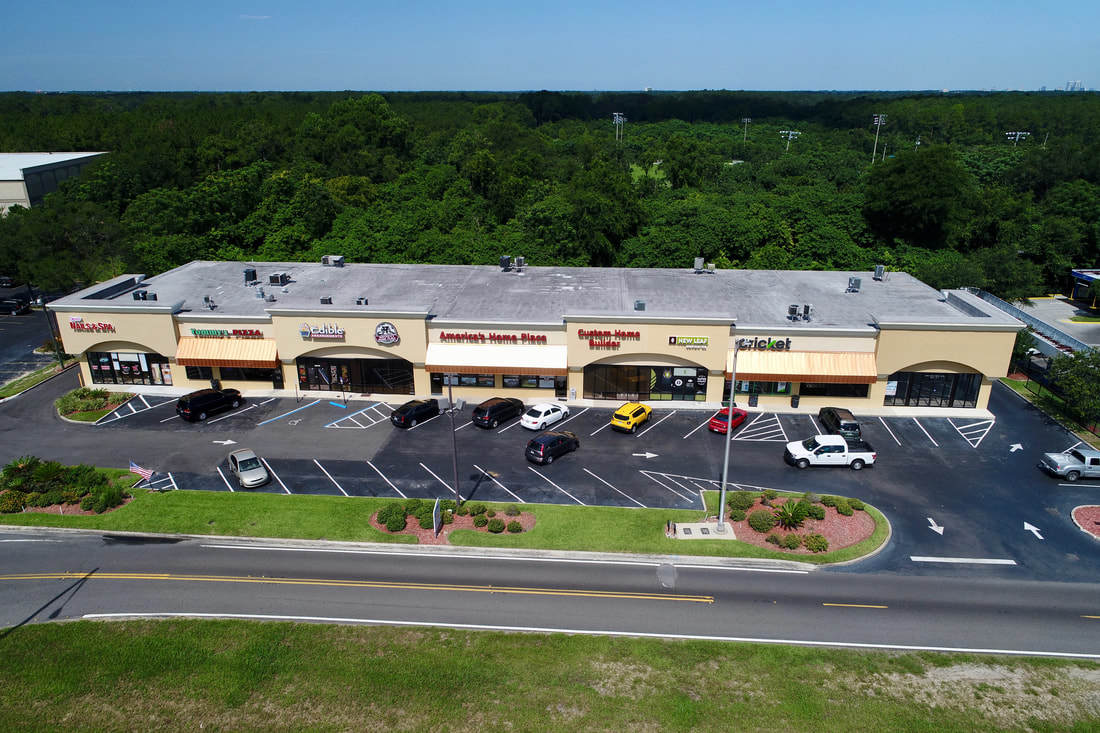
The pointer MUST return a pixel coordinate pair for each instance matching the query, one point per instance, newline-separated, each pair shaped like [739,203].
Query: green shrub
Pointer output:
[35,499]
[843,507]
[448,517]
[12,501]
[817,511]
[396,521]
[515,527]
[737,515]
[771,494]
[856,504]
[462,511]
[829,500]
[792,541]
[742,500]
[773,538]
[792,514]
[447,505]
[491,513]
[480,520]
[16,472]
[86,399]
[70,497]
[49,475]
[478,509]
[49,498]
[87,503]
[496,526]
[811,497]
[426,520]
[511,510]
[761,520]
[412,506]
[389,511]
[815,543]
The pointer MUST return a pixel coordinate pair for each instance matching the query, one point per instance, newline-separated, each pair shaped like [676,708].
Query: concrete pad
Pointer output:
[703,531]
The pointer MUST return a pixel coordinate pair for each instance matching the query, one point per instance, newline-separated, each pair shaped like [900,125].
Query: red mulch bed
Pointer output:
[1087,518]
[428,536]
[71,510]
[841,531]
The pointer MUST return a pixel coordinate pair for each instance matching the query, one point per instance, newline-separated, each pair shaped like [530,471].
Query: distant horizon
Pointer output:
[551,91]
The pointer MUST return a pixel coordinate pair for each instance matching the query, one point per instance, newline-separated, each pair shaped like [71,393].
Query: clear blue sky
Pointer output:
[534,44]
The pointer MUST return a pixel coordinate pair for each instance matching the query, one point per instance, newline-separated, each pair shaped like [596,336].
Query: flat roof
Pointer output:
[548,295]
[13,164]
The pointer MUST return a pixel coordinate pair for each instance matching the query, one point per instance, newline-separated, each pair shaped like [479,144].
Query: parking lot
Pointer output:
[19,337]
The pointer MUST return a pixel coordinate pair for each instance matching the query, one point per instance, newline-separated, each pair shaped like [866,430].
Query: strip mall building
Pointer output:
[543,333]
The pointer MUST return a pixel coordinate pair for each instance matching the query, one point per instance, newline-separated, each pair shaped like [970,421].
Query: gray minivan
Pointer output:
[838,421]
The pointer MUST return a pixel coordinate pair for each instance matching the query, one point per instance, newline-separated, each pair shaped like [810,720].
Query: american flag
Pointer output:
[145,473]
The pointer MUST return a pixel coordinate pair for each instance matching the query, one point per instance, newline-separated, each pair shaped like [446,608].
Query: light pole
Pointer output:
[454,442]
[878,120]
[1016,136]
[745,121]
[54,336]
[790,135]
[917,145]
[618,119]
[729,439]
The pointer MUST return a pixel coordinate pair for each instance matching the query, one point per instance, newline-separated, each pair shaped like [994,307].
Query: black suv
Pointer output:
[551,444]
[196,406]
[838,421]
[14,306]
[414,411]
[496,410]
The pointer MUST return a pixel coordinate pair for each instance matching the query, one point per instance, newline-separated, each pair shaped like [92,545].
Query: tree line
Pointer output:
[465,177]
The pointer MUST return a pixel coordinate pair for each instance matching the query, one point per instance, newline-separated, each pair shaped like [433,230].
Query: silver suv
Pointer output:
[1073,464]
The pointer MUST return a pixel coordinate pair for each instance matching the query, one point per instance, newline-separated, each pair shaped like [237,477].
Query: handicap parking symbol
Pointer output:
[294,422]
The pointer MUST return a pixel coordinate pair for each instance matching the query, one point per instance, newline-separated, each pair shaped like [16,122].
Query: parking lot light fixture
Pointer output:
[729,439]
[454,442]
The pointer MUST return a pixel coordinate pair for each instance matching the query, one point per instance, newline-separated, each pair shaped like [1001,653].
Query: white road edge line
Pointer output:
[705,422]
[655,424]
[591,632]
[628,496]
[387,480]
[330,478]
[557,487]
[490,477]
[272,472]
[889,431]
[219,470]
[964,560]
[925,432]
[1083,486]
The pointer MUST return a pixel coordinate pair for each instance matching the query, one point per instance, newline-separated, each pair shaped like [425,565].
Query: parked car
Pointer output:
[248,468]
[1073,464]
[839,421]
[413,412]
[628,417]
[720,422]
[6,281]
[553,443]
[829,450]
[14,307]
[543,415]
[496,410]
[197,406]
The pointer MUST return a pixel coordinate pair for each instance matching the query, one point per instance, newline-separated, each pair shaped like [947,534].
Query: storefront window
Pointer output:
[824,389]
[245,374]
[925,389]
[745,387]
[477,380]
[385,376]
[198,372]
[645,383]
[129,368]
[529,381]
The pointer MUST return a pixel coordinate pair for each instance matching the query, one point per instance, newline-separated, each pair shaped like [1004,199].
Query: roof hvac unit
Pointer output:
[792,311]
[249,275]
[639,305]
[332,260]
[506,262]
[260,293]
[853,285]
[278,278]
[699,264]
[139,295]
[361,301]
[710,268]
[521,262]
[208,302]
[150,296]
[270,298]
[880,272]
[326,300]
[807,311]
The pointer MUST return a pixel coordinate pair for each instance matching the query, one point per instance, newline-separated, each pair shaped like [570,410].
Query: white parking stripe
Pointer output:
[380,413]
[1083,486]
[449,488]
[889,431]
[557,487]
[705,422]
[272,472]
[219,470]
[330,478]
[464,425]
[142,398]
[433,417]
[133,409]
[764,427]
[232,414]
[490,477]
[357,422]
[387,480]
[974,433]
[674,491]
[574,416]
[925,432]
[964,560]
[269,400]
[655,424]
[509,427]
[174,486]
[814,422]
[170,418]
[605,425]
[628,496]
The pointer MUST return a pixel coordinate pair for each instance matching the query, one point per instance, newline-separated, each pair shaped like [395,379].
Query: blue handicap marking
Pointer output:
[337,404]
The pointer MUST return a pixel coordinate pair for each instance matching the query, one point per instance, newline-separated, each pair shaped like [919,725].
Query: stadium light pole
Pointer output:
[1016,136]
[721,528]
[745,121]
[618,119]
[917,145]
[790,135]
[878,120]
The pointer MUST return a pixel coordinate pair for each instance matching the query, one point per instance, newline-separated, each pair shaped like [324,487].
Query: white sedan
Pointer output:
[543,415]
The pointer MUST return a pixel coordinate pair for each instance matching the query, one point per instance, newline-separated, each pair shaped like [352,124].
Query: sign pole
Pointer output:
[454,442]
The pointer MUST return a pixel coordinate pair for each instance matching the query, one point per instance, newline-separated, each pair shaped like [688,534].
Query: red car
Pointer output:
[720,422]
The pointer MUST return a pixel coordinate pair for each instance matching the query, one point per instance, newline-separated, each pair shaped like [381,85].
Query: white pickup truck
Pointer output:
[829,450]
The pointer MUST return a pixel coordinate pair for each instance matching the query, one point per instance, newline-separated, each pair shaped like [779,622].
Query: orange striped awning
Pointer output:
[834,367]
[256,353]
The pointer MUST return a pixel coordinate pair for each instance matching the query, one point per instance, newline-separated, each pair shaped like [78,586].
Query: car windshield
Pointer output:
[249,464]
[809,443]
[721,416]
[534,412]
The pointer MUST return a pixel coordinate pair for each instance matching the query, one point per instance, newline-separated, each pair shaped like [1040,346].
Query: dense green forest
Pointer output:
[463,178]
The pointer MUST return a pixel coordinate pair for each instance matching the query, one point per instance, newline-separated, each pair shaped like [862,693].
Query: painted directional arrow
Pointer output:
[1015,447]
[224,442]
[646,454]
[935,527]
[1033,529]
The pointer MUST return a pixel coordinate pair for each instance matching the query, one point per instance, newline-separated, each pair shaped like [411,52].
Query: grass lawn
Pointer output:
[29,380]
[90,416]
[238,675]
[1053,406]
[1085,319]
[654,172]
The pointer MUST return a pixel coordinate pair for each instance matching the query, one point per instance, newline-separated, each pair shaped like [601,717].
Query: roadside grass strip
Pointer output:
[357,419]
[974,433]
[765,427]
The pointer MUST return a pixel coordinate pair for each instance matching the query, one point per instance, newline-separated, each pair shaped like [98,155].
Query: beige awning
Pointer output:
[834,367]
[257,353]
[540,359]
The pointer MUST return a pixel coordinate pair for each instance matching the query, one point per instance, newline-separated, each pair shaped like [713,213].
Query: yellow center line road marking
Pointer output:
[365,584]
[853,605]
[1090,617]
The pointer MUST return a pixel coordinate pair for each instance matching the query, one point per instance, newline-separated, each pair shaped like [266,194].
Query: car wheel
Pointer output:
[549,459]
[494,423]
[857,465]
[412,423]
[236,404]
[802,463]
[634,428]
[1072,476]
[240,484]
[202,416]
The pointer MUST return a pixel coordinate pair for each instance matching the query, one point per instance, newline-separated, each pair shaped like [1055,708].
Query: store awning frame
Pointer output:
[245,353]
[539,359]
[830,367]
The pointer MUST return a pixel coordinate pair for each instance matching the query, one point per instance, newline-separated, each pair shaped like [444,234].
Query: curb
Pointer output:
[47,379]
[441,550]
[872,553]
[1083,506]
[1061,424]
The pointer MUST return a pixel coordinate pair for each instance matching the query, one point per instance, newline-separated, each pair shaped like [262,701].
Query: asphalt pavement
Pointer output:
[19,337]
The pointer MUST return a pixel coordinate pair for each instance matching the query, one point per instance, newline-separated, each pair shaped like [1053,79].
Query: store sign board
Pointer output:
[478,337]
[227,333]
[77,323]
[385,333]
[689,342]
[613,339]
[324,331]
[764,344]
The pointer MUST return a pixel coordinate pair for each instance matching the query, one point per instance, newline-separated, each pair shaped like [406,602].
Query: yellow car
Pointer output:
[628,417]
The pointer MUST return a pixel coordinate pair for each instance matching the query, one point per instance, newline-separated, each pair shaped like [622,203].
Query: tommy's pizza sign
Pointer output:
[77,323]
